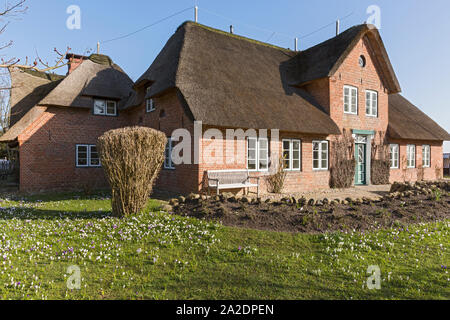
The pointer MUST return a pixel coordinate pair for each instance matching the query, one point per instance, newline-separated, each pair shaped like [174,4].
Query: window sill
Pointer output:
[350,113]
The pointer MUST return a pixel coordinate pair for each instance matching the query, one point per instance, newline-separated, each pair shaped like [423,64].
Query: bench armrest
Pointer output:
[216,180]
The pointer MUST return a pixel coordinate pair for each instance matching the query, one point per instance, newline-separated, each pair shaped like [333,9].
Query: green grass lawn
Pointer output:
[159,256]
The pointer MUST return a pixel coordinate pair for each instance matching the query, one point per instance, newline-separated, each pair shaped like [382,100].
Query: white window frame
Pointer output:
[372,103]
[426,156]
[150,105]
[410,156]
[291,154]
[394,162]
[88,156]
[352,90]
[321,142]
[105,111]
[266,156]
[168,162]
[258,158]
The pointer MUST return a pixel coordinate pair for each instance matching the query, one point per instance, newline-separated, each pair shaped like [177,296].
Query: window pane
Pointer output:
[111,108]
[82,152]
[99,107]
[94,157]
[263,144]
[252,154]
[263,165]
[316,164]
[263,154]
[296,164]
[252,143]
[252,165]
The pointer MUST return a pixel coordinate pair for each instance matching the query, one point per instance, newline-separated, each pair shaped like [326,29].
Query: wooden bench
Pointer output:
[231,179]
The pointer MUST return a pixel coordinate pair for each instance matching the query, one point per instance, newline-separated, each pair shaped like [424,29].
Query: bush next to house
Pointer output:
[275,181]
[380,164]
[343,165]
[132,158]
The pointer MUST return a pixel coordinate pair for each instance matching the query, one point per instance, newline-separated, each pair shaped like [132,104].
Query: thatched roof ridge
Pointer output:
[96,77]
[232,81]
[324,59]
[406,121]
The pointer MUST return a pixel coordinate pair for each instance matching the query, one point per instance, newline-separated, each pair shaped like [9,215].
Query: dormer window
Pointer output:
[150,105]
[105,107]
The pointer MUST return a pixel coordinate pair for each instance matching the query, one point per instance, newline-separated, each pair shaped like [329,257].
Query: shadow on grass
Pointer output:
[44,214]
[22,212]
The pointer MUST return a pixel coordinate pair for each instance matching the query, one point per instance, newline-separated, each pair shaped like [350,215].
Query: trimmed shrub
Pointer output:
[343,164]
[132,158]
[275,182]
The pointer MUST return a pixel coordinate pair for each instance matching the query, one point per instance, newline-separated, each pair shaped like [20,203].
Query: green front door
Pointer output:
[360,156]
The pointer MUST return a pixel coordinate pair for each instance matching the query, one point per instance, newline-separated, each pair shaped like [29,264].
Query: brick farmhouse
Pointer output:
[214,81]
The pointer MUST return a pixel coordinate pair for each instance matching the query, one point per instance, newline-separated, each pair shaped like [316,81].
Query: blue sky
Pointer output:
[415,33]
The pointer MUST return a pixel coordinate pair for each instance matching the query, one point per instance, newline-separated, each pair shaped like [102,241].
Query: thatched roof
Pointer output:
[406,121]
[96,77]
[231,81]
[23,123]
[28,88]
[324,59]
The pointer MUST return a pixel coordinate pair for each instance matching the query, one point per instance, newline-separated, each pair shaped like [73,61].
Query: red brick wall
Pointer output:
[304,180]
[47,149]
[435,171]
[367,78]
[184,179]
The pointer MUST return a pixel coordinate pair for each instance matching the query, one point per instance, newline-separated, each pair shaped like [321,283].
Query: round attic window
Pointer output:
[362,61]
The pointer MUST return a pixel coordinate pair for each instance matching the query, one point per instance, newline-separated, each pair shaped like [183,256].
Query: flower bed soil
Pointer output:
[298,216]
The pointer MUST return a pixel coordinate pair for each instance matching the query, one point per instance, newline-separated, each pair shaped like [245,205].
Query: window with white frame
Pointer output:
[394,155]
[350,100]
[292,154]
[87,156]
[105,107]
[320,155]
[371,103]
[150,105]
[257,154]
[168,163]
[410,156]
[426,156]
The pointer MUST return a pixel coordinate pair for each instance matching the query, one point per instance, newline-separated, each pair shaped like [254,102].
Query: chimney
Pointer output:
[231,29]
[75,60]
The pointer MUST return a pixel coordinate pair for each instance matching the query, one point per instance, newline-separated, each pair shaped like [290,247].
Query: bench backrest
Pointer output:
[227,176]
